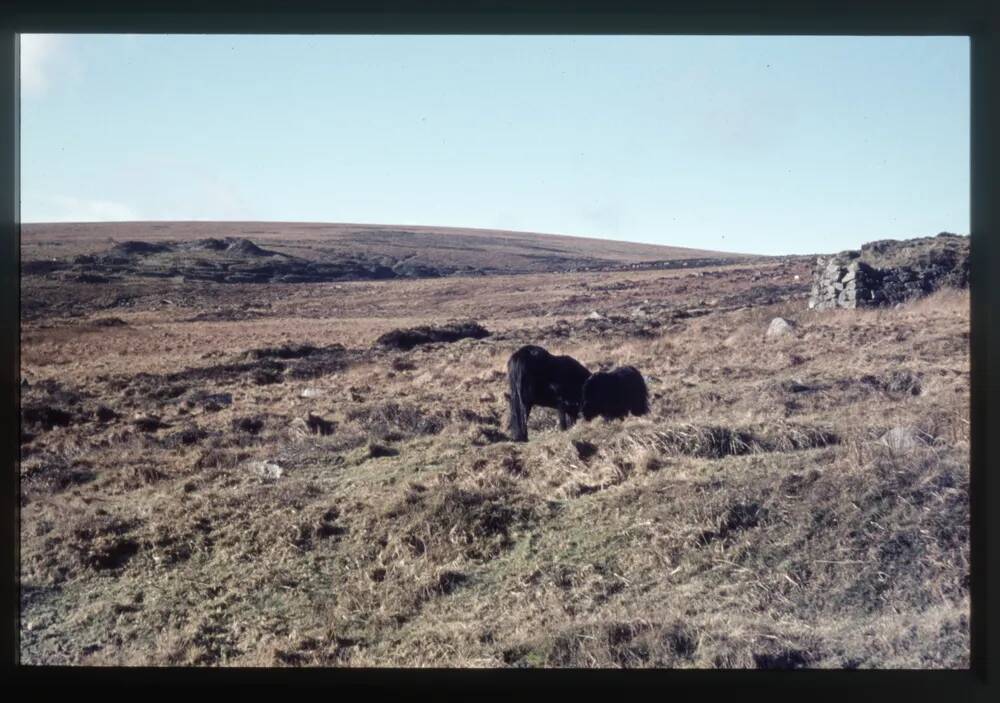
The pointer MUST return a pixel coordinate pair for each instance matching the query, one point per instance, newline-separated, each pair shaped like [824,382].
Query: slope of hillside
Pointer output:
[242,475]
[305,252]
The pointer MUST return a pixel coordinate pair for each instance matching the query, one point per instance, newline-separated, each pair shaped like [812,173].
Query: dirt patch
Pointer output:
[402,364]
[488,435]
[138,248]
[53,473]
[393,421]
[406,339]
[209,402]
[319,425]
[895,383]
[584,450]
[267,367]
[784,659]
[375,451]
[45,417]
[187,437]
[48,404]
[285,351]
[251,425]
[481,522]
[105,414]
[109,322]
[104,543]
[741,516]
[149,423]
[321,362]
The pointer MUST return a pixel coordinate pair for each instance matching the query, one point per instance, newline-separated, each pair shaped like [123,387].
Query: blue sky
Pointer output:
[752,144]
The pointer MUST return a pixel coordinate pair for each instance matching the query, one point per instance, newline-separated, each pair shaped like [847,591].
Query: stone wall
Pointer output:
[888,272]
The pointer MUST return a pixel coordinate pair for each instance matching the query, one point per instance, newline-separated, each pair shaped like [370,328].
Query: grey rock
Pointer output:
[267,470]
[905,439]
[780,327]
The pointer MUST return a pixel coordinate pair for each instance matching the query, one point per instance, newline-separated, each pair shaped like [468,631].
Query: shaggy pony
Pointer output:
[538,378]
[615,394]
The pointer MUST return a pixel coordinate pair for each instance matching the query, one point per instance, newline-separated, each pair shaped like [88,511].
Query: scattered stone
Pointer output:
[906,439]
[780,327]
[594,315]
[267,470]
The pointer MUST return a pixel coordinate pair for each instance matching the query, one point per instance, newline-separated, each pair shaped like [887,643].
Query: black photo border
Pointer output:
[977,19]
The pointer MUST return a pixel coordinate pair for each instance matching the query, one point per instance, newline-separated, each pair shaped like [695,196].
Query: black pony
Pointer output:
[614,394]
[539,378]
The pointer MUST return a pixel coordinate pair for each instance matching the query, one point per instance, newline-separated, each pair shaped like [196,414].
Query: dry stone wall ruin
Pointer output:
[888,272]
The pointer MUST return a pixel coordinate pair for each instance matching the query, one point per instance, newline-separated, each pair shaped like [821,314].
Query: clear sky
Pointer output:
[749,144]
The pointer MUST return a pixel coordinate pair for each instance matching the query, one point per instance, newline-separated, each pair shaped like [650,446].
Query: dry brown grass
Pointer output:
[753,519]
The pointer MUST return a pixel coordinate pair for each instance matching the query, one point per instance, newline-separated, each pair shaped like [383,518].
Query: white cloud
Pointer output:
[38,55]
[61,208]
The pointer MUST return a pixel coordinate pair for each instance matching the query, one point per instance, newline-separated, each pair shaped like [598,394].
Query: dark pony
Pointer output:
[615,394]
[539,378]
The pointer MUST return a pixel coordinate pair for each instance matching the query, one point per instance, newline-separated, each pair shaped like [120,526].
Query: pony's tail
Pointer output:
[518,418]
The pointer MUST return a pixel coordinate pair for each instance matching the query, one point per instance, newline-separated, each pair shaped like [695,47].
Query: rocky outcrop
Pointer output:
[888,272]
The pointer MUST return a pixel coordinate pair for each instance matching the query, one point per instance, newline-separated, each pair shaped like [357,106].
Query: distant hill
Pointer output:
[302,252]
